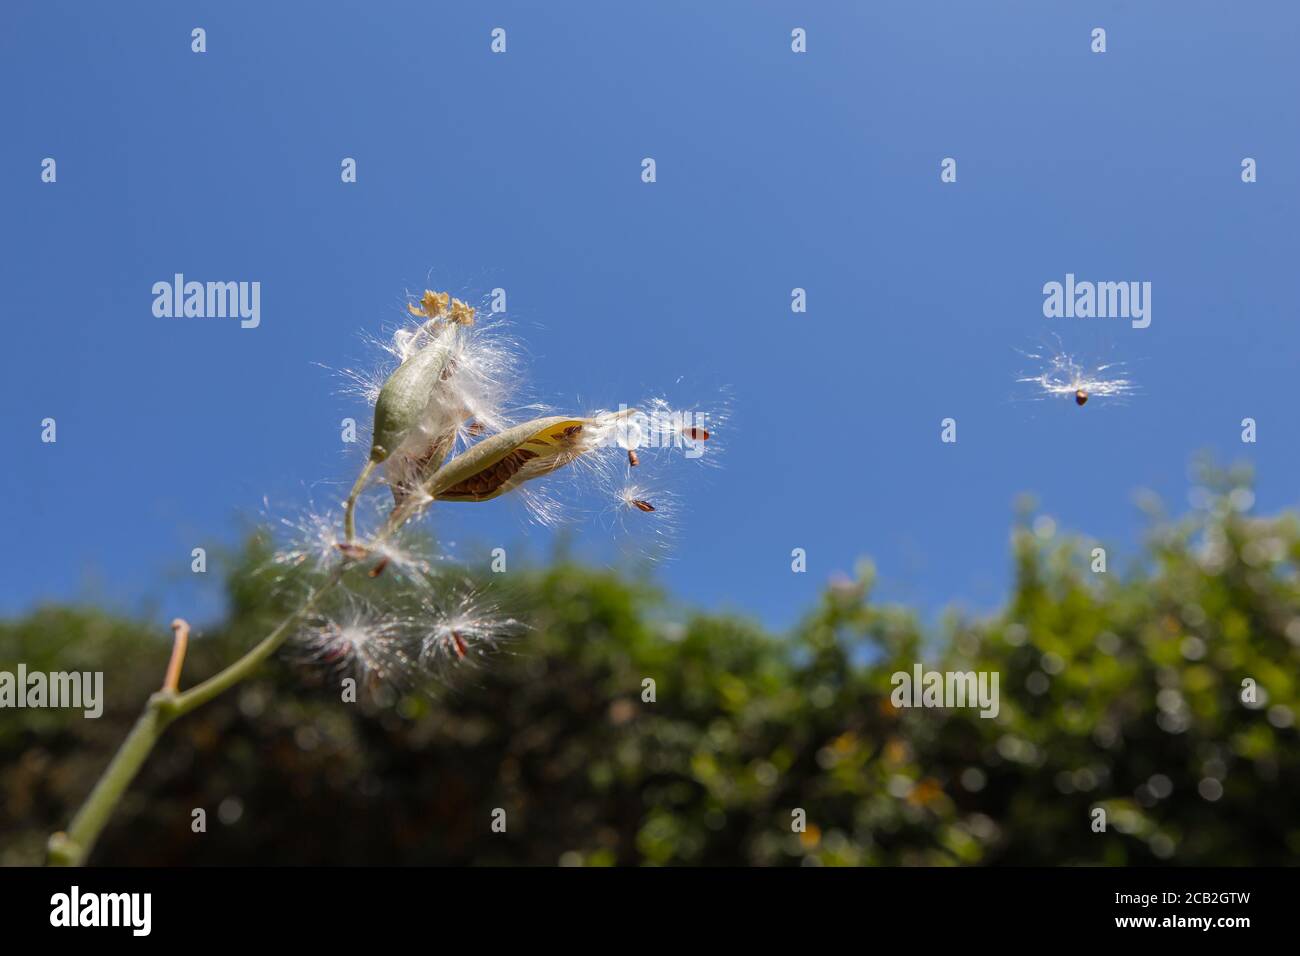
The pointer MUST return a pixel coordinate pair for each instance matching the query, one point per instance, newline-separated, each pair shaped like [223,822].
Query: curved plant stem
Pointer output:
[70,848]
[349,509]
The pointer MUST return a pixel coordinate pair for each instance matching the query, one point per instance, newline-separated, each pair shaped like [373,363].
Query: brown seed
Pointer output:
[491,478]
[1080,397]
[459,645]
[475,428]
[696,434]
[378,569]
[632,458]
[643,505]
[353,551]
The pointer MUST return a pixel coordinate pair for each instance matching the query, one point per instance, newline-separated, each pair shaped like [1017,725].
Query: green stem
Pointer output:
[349,510]
[72,847]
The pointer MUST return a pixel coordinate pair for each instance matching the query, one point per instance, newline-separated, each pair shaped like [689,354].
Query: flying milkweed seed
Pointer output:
[459,643]
[378,569]
[351,550]
[1059,373]
[643,505]
[696,434]
[632,458]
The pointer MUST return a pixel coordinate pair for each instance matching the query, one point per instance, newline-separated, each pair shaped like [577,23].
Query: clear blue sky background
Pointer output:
[775,170]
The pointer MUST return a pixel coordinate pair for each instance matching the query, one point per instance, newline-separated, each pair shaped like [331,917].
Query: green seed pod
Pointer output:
[406,395]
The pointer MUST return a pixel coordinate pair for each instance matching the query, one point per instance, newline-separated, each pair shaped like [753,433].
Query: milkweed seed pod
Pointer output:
[418,412]
[406,395]
[506,460]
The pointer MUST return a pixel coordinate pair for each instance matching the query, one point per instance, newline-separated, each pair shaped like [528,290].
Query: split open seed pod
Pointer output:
[424,448]
[504,461]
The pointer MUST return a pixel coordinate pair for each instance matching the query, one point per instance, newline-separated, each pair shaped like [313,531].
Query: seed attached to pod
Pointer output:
[474,429]
[1080,397]
[642,505]
[696,434]
[632,458]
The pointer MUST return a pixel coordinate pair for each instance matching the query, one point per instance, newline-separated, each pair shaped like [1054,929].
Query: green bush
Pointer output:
[1120,691]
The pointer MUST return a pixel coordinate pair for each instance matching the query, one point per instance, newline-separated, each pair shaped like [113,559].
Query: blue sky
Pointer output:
[522,171]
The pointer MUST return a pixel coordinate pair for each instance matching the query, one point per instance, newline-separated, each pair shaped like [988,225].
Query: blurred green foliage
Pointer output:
[1119,690]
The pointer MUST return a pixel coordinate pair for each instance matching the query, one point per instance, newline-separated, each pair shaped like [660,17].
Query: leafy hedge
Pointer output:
[1120,691]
